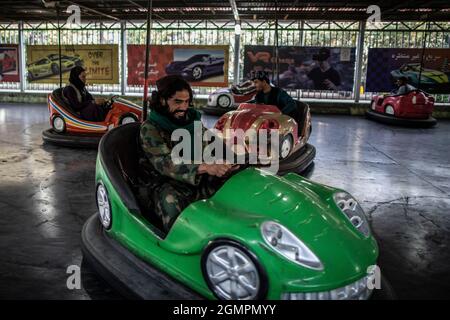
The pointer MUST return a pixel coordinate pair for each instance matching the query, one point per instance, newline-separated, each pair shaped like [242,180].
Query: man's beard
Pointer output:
[180,121]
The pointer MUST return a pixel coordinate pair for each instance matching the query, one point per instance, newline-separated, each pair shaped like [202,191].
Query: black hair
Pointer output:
[166,88]
[260,75]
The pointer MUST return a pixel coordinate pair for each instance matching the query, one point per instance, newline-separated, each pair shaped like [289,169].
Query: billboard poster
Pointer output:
[313,68]
[101,62]
[200,65]
[9,63]
[385,65]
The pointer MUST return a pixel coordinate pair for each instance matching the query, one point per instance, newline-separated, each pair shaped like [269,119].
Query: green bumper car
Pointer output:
[276,238]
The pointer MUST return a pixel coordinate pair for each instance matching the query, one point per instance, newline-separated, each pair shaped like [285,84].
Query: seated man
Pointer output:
[267,94]
[178,184]
[403,86]
[77,96]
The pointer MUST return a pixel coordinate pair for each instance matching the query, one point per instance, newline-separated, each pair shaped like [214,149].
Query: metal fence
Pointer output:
[205,32]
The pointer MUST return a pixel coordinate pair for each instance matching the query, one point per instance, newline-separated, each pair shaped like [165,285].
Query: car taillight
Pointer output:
[269,124]
[221,124]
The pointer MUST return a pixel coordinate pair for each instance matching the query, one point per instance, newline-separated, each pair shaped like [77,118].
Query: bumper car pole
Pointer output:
[59,45]
[147,55]
[424,45]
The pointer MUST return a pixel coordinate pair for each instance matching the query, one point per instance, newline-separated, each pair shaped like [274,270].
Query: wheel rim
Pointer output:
[197,73]
[223,101]
[58,124]
[103,206]
[232,274]
[390,110]
[126,120]
[286,147]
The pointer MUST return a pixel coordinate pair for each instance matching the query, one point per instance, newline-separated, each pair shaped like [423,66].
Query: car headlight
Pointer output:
[284,242]
[353,211]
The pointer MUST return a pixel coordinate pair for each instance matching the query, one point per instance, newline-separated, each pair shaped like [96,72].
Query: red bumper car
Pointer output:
[413,109]
[295,153]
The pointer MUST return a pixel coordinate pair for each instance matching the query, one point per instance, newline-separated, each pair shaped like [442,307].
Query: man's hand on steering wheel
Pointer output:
[107,104]
[218,170]
[100,101]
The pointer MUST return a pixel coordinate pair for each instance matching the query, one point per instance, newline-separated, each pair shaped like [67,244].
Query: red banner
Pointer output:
[9,63]
[200,65]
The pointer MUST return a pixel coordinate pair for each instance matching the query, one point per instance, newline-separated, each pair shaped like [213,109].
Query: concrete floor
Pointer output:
[400,176]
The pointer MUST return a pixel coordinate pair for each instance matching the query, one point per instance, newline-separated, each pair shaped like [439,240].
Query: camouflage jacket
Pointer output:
[157,146]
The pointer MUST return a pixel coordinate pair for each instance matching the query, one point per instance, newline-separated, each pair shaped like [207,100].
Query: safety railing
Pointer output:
[206,32]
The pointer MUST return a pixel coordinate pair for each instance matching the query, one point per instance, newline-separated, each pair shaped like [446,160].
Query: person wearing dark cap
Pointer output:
[323,75]
[268,94]
[177,184]
[78,97]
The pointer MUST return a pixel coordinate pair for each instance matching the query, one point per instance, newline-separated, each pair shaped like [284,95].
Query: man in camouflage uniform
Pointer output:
[177,184]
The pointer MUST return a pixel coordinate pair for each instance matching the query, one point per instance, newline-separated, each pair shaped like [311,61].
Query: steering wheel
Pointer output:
[242,166]
[110,101]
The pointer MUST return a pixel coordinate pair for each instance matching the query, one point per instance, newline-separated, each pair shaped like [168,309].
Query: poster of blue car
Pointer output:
[198,65]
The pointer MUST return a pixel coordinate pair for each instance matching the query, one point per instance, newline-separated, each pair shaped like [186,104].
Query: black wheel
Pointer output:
[128,118]
[55,69]
[223,101]
[103,206]
[286,145]
[58,124]
[197,73]
[232,272]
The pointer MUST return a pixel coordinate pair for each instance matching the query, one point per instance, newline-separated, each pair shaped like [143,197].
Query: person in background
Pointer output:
[78,97]
[268,94]
[403,86]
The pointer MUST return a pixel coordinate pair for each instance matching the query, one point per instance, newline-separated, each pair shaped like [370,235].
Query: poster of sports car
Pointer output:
[200,65]
[313,68]
[101,62]
[430,73]
[9,63]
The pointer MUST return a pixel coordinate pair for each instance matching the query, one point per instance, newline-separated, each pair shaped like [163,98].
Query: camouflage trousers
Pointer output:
[171,198]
